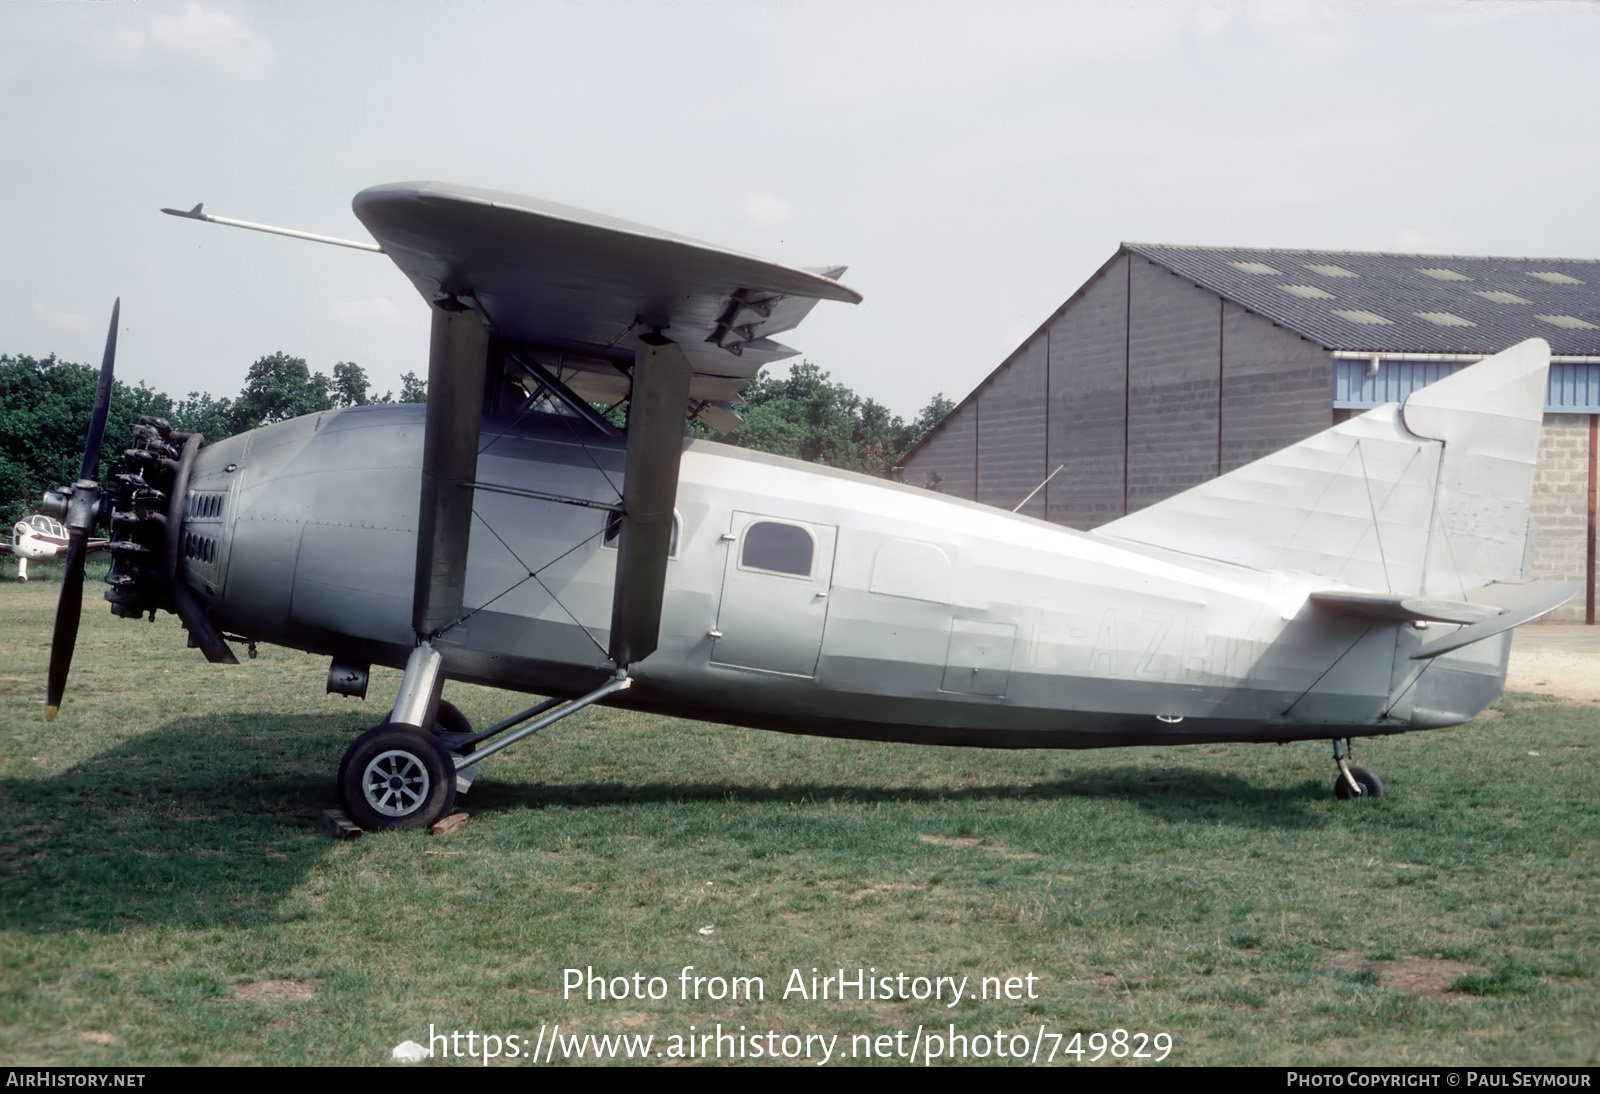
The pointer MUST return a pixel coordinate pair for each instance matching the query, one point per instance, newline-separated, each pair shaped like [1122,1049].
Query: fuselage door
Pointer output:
[774,594]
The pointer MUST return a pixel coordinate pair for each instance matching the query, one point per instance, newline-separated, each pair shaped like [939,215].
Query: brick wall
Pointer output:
[1561,506]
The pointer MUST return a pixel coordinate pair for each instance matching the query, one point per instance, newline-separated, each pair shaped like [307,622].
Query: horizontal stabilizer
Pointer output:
[1516,604]
[1403,609]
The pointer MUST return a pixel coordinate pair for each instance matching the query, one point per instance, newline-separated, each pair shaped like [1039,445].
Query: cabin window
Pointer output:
[777,548]
[614,529]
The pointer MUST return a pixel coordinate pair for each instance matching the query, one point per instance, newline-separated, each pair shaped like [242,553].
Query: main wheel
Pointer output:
[397,777]
[1370,786]
[450,720]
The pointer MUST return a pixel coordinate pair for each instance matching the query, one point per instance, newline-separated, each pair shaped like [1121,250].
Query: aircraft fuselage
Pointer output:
[798,598]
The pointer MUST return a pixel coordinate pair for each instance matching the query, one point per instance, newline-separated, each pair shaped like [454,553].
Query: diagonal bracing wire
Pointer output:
[533,575]
[528,408]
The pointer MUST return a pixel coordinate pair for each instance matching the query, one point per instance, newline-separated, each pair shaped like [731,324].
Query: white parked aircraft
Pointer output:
[40,537]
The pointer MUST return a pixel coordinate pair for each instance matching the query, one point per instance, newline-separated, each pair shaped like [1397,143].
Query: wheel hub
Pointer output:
[395,783]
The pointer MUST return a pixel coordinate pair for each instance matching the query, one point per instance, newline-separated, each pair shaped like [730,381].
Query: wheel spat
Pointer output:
[78,506]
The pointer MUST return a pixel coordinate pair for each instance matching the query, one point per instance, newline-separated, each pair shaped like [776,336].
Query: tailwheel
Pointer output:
[397,777]
[1352,782]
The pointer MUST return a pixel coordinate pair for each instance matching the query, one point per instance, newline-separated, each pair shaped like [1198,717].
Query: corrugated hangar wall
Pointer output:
[1088,350]
[1144,384]
[1012,422]
[1141,386]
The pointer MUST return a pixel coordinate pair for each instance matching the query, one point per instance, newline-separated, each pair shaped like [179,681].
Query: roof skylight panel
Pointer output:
[1569,322]
[1256,268]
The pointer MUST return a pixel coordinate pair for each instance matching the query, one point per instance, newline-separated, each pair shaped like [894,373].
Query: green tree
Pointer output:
[928,418]
[806,416]
[279,387]
[200,413]
[45,407]
[413,390]
[349,387]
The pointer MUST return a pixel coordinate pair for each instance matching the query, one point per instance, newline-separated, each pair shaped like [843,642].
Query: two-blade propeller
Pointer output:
[78,507]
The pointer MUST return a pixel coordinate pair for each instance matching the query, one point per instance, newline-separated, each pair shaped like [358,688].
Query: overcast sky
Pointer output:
[972,163]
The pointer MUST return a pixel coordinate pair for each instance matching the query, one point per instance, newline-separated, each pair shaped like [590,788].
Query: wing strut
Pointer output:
[661,375]
[457,355]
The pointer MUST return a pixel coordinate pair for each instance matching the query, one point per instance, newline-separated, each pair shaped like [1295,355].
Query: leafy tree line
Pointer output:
[807,416]
[45,406]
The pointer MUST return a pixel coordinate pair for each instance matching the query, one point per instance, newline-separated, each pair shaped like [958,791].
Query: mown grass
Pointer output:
[160,855]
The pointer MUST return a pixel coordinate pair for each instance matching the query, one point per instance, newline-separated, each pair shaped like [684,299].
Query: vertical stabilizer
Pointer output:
[1432,499]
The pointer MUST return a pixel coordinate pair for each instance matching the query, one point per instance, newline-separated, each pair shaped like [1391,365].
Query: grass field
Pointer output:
[168,896]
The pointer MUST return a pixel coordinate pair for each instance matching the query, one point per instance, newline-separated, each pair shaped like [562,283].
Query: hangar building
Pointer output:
[1174,364]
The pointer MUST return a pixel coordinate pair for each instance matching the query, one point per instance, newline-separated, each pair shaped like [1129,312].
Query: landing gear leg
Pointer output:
[22,568]
[1352,782]
[398,775]
[419,688]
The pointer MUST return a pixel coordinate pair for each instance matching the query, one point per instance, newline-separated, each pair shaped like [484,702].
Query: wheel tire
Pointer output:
[1370,786]
[344,761]
[450,719]
[397,777]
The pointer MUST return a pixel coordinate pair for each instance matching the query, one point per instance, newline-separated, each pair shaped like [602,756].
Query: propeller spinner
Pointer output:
[78,507]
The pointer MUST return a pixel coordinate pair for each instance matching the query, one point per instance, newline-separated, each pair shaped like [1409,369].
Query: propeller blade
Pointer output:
[82,513]
[68,608]
[102,399]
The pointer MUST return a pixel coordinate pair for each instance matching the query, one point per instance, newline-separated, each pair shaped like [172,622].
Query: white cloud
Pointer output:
[867,52]
[1310,29]
[122,46]
[215,39]
[374,309]
[71,322]
[1416,241]
[765,210]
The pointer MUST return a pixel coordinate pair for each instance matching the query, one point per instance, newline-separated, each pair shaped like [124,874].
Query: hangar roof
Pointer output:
[1403,303]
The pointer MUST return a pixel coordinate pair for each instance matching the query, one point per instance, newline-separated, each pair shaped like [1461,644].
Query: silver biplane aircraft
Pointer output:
[1364,581]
